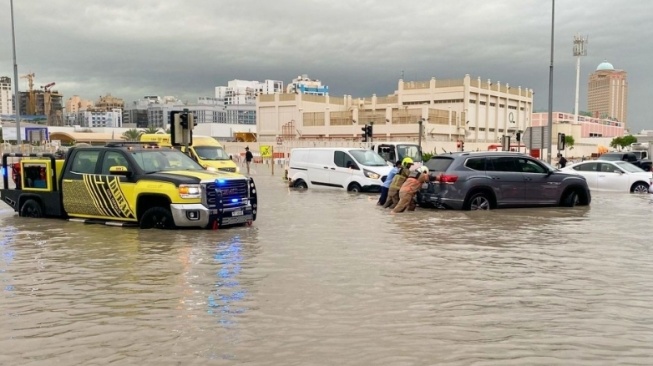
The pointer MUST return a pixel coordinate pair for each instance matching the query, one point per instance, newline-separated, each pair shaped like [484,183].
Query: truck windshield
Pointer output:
[152,161]
[611,157]
[409,151]
[368,158]
[211,153]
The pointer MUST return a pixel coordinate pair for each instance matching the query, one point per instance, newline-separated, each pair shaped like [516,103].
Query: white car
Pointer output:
[615,176]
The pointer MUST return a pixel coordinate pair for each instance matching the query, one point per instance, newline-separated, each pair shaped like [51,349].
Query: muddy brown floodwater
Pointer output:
[326,277]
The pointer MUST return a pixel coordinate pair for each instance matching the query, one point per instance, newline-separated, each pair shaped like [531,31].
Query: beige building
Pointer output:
[108,103]
[607,93]
[76,104]
[6,96]
[463,109]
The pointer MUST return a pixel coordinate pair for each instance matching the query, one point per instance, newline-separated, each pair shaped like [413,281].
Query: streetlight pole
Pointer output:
[19,138]
[550,120]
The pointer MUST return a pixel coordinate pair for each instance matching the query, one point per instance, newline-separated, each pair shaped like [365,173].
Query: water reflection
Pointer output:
[223,300]
[7,251]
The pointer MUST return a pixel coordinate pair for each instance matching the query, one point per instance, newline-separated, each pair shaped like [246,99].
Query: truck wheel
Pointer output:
[31,208]
[157,218]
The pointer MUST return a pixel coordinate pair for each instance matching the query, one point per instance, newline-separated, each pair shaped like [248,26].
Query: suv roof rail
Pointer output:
[130,143]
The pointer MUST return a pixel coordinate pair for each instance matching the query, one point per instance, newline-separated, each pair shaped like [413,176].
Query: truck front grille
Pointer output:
[233,191]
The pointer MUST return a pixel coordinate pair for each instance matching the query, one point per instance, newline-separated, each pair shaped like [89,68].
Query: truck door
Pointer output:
[77,198]
[115,192]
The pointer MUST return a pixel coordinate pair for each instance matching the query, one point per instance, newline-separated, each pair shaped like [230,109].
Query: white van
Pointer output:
[353,169]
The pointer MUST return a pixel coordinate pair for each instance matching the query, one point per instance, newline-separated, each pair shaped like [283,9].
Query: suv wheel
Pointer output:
[571,199]
[157,217]
[479,201]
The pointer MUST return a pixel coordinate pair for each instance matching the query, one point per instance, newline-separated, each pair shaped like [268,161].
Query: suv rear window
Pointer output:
[439,164]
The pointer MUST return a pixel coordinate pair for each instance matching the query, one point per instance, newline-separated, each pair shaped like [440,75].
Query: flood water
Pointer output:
[328,278]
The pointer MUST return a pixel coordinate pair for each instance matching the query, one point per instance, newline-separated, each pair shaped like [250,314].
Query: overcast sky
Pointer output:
[133,48]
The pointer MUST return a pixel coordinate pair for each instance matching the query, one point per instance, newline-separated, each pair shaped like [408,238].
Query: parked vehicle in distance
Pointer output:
[487,180]
[393,151]
[353,169]
[630,157]
[616,176]
[205,150]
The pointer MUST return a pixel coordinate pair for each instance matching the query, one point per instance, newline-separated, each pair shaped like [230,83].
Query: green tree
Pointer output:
[617,142]
[151,130]
[132,134]
[569,142]
[628,140]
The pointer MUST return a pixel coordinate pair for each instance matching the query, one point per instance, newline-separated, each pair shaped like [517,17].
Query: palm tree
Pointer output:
[132,134]
[151,130]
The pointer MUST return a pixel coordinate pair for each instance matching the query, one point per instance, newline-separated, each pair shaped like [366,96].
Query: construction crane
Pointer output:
[31,103]
[47,87]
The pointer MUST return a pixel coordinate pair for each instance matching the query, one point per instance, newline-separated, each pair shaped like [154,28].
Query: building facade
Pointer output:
[464,109]
[607,93]
[305,85]
[6,96]
[98,118]
[584,127]
[109,103]
[244,92]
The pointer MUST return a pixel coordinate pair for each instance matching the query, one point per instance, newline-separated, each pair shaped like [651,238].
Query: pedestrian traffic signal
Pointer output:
[561,141]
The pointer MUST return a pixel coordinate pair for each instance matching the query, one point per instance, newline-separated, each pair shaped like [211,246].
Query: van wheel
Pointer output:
[31,208]
[300,184]
[354,187]
[157,218]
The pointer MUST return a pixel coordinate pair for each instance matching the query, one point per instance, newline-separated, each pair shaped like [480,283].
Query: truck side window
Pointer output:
[113,158]
[84,162]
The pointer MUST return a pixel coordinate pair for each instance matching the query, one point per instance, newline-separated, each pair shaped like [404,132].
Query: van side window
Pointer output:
[340,159]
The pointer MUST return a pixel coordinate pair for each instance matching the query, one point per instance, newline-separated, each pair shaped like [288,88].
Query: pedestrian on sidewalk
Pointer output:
[248,158]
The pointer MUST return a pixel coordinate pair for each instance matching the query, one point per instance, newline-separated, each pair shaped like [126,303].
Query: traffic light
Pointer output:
[462,145]
[369,131]
[364,134]
[518,136]
[181,128]
[561,141]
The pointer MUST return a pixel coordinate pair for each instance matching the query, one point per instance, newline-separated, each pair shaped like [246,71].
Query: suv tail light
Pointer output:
[448,179]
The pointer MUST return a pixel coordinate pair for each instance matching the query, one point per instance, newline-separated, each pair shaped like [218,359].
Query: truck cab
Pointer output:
[129,184]
[393,151]
[205,150]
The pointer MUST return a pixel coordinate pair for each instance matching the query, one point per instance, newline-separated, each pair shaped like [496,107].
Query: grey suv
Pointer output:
[485,180]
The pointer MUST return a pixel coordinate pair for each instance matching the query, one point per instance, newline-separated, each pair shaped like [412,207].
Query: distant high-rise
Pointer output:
[607,93]
[6,97]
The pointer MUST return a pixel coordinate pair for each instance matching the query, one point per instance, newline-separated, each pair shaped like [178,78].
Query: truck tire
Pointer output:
[31,208]
[157,218]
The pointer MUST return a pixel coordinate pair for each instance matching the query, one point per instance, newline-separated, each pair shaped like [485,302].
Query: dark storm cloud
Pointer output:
[133,48]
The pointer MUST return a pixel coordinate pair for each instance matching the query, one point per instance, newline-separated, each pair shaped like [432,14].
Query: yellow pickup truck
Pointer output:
[128,184]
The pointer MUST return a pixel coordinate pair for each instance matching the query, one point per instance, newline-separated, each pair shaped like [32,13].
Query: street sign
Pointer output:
[279,141]
[535,137]
[266,151]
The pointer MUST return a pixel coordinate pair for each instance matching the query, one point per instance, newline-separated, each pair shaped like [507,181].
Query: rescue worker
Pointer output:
[386,184]
[398,179]
[409,189]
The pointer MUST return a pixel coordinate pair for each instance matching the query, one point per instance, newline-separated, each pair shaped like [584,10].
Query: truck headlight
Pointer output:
[371,174]
[190,191]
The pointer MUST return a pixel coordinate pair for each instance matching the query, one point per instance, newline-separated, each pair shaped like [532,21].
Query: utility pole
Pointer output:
[19,138]
[550,119]
[419,136]
[579,50]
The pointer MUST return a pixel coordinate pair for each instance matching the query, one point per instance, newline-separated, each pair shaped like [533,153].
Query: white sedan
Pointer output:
[616,176]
